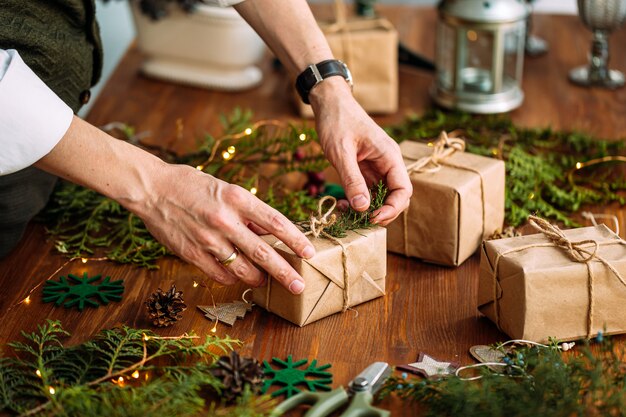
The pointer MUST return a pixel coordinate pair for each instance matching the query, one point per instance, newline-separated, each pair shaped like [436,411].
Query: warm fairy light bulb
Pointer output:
[430,144]
[195,284]
[120,379]
[231,149]
[146,337]
[248,131]
[531,196]
[199,167]
[135,374]
[38,373]
[27,301]
[302,137]
[253,190]
[226,155]
[83,260]
[579,165]
[214,329]
[51,390]
[494,151]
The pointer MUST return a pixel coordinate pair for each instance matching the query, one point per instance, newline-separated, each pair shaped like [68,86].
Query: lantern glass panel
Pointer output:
[446,50]
[476,65]
[513,48]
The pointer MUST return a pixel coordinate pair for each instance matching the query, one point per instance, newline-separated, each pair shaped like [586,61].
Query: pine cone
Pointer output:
[502,234]
[165,308]
[235,373]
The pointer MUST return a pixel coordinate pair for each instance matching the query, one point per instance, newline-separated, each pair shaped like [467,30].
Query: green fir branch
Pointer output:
[83,221]
[538,162]
[535,381]
[48,379]
[355,220]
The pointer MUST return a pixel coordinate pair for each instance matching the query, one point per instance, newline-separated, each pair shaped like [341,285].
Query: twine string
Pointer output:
[593,216]
[443,148]
[324,220]
[317,224]
[584,251]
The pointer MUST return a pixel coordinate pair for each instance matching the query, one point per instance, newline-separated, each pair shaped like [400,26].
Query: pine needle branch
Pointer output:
[539,162]
[49,379]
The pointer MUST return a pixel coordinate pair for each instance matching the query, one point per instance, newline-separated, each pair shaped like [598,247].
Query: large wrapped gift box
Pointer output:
[370,49]
[326,292]
[539,290]
[452,209]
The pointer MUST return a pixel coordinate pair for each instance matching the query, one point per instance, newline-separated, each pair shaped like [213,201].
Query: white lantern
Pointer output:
[480,55]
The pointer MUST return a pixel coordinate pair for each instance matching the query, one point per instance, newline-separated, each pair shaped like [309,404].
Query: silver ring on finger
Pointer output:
[229,260]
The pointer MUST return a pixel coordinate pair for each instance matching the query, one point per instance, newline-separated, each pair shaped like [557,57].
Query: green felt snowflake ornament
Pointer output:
[81,291]
[289,376]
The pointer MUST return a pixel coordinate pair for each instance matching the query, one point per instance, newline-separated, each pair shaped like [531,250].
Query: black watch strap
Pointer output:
[315,74]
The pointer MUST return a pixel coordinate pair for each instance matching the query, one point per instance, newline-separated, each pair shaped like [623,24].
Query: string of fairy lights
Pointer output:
[592,162]
[133,372]
[125,375]
[229,152]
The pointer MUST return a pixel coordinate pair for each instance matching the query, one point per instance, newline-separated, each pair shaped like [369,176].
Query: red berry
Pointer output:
[298,155]
[313,190]
[316,177]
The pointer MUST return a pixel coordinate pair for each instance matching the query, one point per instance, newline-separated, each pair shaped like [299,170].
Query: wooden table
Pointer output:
[427,308]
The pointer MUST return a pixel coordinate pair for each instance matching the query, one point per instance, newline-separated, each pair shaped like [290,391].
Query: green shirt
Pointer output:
[59,40]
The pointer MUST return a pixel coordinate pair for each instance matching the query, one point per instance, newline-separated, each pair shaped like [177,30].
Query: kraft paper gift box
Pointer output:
[370,49]
[540,291]
[324,277]
[452,208]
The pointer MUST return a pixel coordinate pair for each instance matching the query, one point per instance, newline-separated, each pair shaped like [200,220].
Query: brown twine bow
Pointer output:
[445,146]
[583,251]
[322,221]
[317,225]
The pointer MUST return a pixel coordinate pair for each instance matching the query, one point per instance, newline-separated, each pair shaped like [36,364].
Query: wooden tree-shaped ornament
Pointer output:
[227,313]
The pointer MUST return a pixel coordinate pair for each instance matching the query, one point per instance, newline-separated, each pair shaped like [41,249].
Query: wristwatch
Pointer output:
[316,73]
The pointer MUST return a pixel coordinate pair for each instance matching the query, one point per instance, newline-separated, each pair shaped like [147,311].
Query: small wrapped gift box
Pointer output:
[363,255]
[458,200]
[565,284]
[369,46]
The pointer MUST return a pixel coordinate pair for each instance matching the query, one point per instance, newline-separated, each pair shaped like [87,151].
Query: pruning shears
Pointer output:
[361,390]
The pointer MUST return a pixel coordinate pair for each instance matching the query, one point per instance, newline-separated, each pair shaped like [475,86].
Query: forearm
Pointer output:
[88,156]
[289,29]
[197,216]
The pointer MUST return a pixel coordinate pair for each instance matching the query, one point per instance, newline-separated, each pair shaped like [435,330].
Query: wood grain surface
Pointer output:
[427,308]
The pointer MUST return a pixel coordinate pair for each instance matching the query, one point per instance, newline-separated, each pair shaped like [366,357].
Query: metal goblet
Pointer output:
[601,17]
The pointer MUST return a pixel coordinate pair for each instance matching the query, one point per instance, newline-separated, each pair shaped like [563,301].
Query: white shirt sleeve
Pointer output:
[33,119]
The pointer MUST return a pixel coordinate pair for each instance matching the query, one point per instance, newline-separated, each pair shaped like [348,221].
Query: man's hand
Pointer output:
[359,149]
[198,217]
[203,219]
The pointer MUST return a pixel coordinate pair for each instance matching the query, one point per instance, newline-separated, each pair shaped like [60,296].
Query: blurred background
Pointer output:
[118,30]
